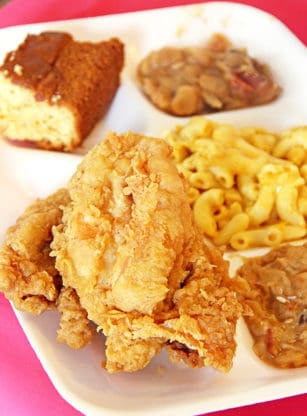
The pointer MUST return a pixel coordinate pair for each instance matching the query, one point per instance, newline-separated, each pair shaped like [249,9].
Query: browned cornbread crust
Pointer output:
[81,77]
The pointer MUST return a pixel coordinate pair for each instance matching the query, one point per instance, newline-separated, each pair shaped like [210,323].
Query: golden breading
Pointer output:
[130,249]
[27,274]
[74,329]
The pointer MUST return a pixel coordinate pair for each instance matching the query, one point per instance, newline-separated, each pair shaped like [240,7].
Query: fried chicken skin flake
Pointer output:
[75,329]
[128,246]
[28,276]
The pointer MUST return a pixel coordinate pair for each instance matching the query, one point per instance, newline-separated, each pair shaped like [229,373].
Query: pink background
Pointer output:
[25,388]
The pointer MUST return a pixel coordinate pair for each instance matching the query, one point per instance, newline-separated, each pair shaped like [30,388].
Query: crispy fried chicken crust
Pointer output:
[27,274]
[75,329]
[129,247]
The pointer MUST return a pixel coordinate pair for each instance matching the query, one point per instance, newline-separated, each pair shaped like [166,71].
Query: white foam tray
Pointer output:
[26,174]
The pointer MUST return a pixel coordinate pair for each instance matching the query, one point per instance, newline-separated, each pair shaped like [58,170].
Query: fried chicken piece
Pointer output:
[130,249]
[75,328]
[27,274]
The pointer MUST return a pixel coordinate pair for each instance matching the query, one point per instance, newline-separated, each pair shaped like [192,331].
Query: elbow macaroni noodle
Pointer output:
[248,186]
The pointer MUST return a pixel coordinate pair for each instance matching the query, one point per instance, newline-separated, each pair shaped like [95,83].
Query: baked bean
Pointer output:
[195,80]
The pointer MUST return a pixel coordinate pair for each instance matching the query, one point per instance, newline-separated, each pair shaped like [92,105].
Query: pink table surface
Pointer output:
[25,388]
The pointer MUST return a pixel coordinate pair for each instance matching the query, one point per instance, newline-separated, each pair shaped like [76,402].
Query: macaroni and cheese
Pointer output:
[247,186]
